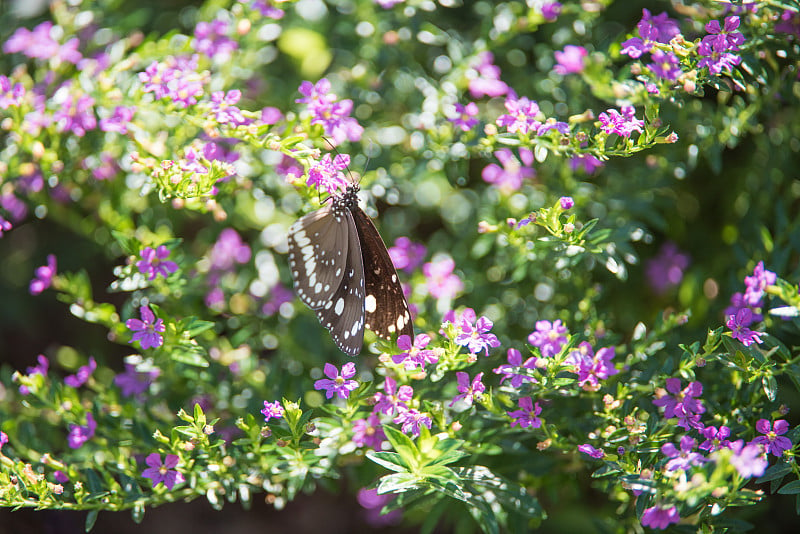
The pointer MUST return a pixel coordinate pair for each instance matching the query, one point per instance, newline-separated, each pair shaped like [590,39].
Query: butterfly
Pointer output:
[342,270]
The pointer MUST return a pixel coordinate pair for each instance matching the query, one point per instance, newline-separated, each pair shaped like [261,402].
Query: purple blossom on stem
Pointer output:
[327,176]
[566,203]
[175,78]
[465,116]
[61,477]
[154,262]
[75,115]
[665,27]
[147,330]
[406,254]
[548,337]
[665,65]
[476,337]
[411,420]
[488,82]
[119,120]
[715,438]
[272,410]
[442,283]
[266,8]
[571,60]
[43,276]
[515,361]
[374,503]
[551,11]
[748,459]
[725,37]
[40,44]
[415,355]
[82,375]
[3,438]
[468,391]
[527,415]
[586,448]
[78,435]
[133,382]
[790,23]
[393,400]
[10,95]
[739,327]
[228,250]
[333,115]
[369,432]
[682,458]
[666,269]
[5,226]
[162,472]
[683,403]
[211,39]
[756,285]
[591,367]
[513,173]
[278,296]
[773,440]
[223,108]
[521,116]
[622,123]
[338,383]
[737,303]
[715,58]
[660,518]
[40,369]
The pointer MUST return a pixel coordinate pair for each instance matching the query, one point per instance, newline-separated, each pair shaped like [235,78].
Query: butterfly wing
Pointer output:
[385,304]
[343,313]
[317,255]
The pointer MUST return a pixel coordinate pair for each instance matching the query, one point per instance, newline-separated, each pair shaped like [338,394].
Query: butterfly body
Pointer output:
[342,270]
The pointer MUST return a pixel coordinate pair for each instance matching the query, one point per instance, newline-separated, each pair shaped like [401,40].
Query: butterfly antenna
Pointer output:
[336,151]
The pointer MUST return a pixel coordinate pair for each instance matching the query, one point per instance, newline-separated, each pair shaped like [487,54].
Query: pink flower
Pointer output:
[43,276]
[527,415]
[442,283]
[147,330]
[369,432]
[415,355]
[571,60]
[513,173]
[773,440]
[162,473]
[336,382]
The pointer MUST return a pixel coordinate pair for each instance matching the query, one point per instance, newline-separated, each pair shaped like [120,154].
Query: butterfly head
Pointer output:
[346,200]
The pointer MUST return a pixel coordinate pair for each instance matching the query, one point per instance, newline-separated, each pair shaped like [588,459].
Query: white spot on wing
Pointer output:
[339,306]
[370,303]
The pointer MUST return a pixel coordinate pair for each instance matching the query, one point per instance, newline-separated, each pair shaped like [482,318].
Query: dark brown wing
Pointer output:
[387,312]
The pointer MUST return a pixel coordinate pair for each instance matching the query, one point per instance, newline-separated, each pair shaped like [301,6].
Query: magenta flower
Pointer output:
[412,420]
[10,95]
[521,116]
[666,269]
[406,254]
[476,337]
[211,39]
[487,82]
[40,44]
[266,9]
[515,361]
[154,262]
[548,337]
[738,324]
[147,330]
[665,65]
[591,451]
[465,116]
[756,285]
[228,250]
[336,382]
[332,115]
[5,226]
[289,167]
[119,120]
[468,391]
[278,296]
[133,382]
[660,518]
[514,172]
[272,410]
[566,203]
[737,303]
[591,367]
[683,403]
[61,477]
[75,115]
[715,438]
[727,36]
[40,369]
[374,503]
[175,78]
[43,276]
[415,355]
[393,400]
[369,432]
[78,435]
[790,23]
[551,11]
[82,375]
[162,472]
[223,108]
[527,415]
[442,283]
[571,60]
[749,460]
[773,440]
[327,176]
[622,123]
[716,59]
[3,438]
[683,458]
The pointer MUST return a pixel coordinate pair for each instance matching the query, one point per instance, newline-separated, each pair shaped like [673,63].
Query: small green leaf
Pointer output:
[389,460]
[791,488]
[397,483]
[91,518]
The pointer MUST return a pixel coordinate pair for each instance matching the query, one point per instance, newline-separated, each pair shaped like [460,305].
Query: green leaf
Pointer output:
[189,358]
[398,483]
[389,460]
[91,518]
[404,446]
[791,488]
[775,472]
[195,326]
[770,386]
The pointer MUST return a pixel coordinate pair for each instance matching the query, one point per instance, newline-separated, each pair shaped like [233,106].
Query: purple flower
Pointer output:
[133,382]
[5,226]
[738,324]
[527,415]
[622,124]
[716,48]
[336,382]
[726,37]
[715,439]
[468,391]
[147,330]
[790,23]
[591,367]
[388,4]
[411,420]
[748,459]
[154,262]
[660,518]
[40,369]
[566,203]
[327,176]
[514,361]
[315,94]
[521,116]
[551,11]
[165,472]
[75,115]
[272,410]
[278,296]
[682,458]
[442,283]
[571,60]
[3,438]
[82,375]
[175,78]
[476,337]
[510,177]
[665,65]
[211,39]
[374,503]
[228,250]
[333,115]
[223,108]
[737,303]
[665,27]
[119,120]
[548,337]
[415,355]
[591,451]
[465,116]
[289,167]
[393,400]
[10,95]
[78,435]
[658,29]
[773,440]
[666,269]
[266,10]
[61,477]
[756,285]
[43,276]
[683,404]
[406,254]
[107,169]
[40,44]
[488,82]
[369,432]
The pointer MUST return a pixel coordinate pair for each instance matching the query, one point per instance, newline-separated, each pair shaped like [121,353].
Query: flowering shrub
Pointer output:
[592,207]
